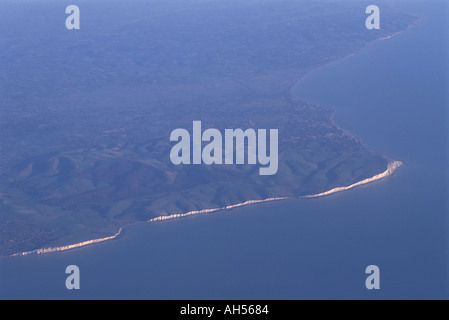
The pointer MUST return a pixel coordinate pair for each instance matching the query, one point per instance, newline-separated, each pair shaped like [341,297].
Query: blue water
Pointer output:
[394,96]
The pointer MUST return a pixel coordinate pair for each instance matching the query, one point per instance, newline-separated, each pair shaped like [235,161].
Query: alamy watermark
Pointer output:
[73,280]
[373,280]
[73,20]
[189,149]
[373,21]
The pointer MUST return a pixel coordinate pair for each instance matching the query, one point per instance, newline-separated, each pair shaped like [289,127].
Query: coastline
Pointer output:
[391,169]
[304,76]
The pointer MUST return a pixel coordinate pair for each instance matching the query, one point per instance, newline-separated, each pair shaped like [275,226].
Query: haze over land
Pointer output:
[86,116]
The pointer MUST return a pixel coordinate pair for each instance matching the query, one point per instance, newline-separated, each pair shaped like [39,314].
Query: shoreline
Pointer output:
[391,169]
[393,165]
[305,75]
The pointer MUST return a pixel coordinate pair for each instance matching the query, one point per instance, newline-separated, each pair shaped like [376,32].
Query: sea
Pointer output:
[394,95]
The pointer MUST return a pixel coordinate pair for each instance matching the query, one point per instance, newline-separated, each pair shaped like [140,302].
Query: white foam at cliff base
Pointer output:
[392,167]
